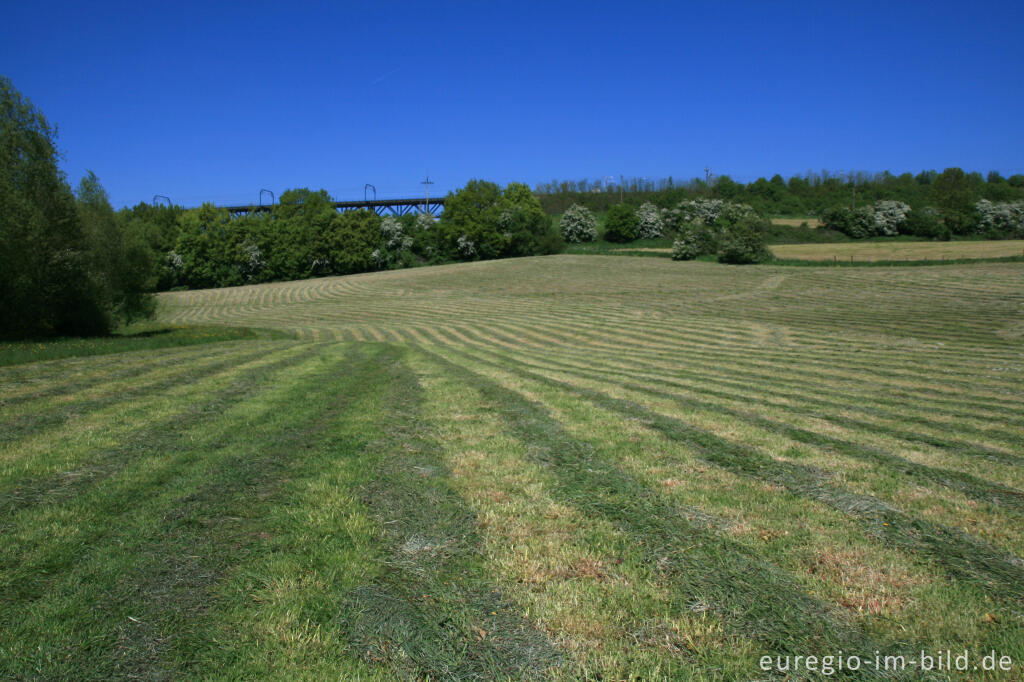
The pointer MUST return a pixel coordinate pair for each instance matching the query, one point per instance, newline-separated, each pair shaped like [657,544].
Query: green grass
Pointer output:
[139,336]
[897,249]
[569,467]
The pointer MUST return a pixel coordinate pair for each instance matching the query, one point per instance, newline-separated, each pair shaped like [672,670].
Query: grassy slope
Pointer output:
[551,467]
[895,251]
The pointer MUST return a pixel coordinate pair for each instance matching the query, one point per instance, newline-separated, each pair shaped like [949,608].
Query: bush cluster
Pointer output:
[620,224]
[649,223]
[578,225]
[736,236]
[882,219]
[1003,219]
[995,220]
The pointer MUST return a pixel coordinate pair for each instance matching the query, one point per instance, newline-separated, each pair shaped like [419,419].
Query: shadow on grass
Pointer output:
[133,338]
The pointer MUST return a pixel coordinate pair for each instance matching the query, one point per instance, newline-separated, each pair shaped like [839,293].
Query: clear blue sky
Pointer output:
[213,101]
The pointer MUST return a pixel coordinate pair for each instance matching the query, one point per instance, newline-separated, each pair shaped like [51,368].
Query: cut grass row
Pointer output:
[563,468]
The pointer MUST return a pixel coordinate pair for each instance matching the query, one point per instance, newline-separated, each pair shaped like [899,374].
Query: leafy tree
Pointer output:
[157,225]
[482,221]
[620,224]
[726,188]
[743,242]
[955,199]
[351,241]
[46,285]
[205,249]
[121,261]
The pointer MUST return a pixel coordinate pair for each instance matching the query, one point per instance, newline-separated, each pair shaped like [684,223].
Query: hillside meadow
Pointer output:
[899,250]
[565,467]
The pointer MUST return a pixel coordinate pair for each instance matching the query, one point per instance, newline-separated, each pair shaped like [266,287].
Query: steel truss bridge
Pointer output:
[397,207]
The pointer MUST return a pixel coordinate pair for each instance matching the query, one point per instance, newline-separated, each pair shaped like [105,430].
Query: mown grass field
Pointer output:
[797,222]
[570,467]
[900,250]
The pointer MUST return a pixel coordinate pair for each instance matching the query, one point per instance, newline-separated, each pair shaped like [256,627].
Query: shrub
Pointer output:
[881,219]
[922,222]
[889,216]
[686,247]
[578,225]
[620,224]
[742,242]
[1002,219]
[705,211]
[648,221]
[397,244]
[483,221]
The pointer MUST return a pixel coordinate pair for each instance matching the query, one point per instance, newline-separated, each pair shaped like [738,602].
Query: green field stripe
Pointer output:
[752,596]
[238,565]
[971,602]
[1005,501]
[828,368]
[412,599]
[736,373]
[120,523]
[796,363]
[688,364]
[50,378]
[34,480]
[961,555]
[705,383]
[432,549]
[766,386]
[32,418]
[680,322]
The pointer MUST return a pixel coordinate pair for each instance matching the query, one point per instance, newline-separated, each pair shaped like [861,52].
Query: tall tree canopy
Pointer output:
[65,266]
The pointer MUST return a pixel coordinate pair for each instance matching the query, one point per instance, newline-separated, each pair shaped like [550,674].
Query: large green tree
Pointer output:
[121,260]
[955,193]
[483,221]
[47,286]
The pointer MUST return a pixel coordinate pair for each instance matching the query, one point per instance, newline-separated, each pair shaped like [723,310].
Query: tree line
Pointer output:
[303,235]
[68,266]
[952,190]
[71,265]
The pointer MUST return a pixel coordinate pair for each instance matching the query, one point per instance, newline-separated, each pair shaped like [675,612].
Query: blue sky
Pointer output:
[214,101]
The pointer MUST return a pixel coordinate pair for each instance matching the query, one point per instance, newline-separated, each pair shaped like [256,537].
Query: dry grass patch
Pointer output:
[896,251]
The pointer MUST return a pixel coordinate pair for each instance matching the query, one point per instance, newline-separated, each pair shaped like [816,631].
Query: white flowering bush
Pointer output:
[397,244]
[578,224]
[704,211]
[1003,217]
[424,221]
[649,222]
[253,261]
[174,261]
[466,247]
[686,248]
[395,238]
[883,218]
[889,216]
[696,239]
